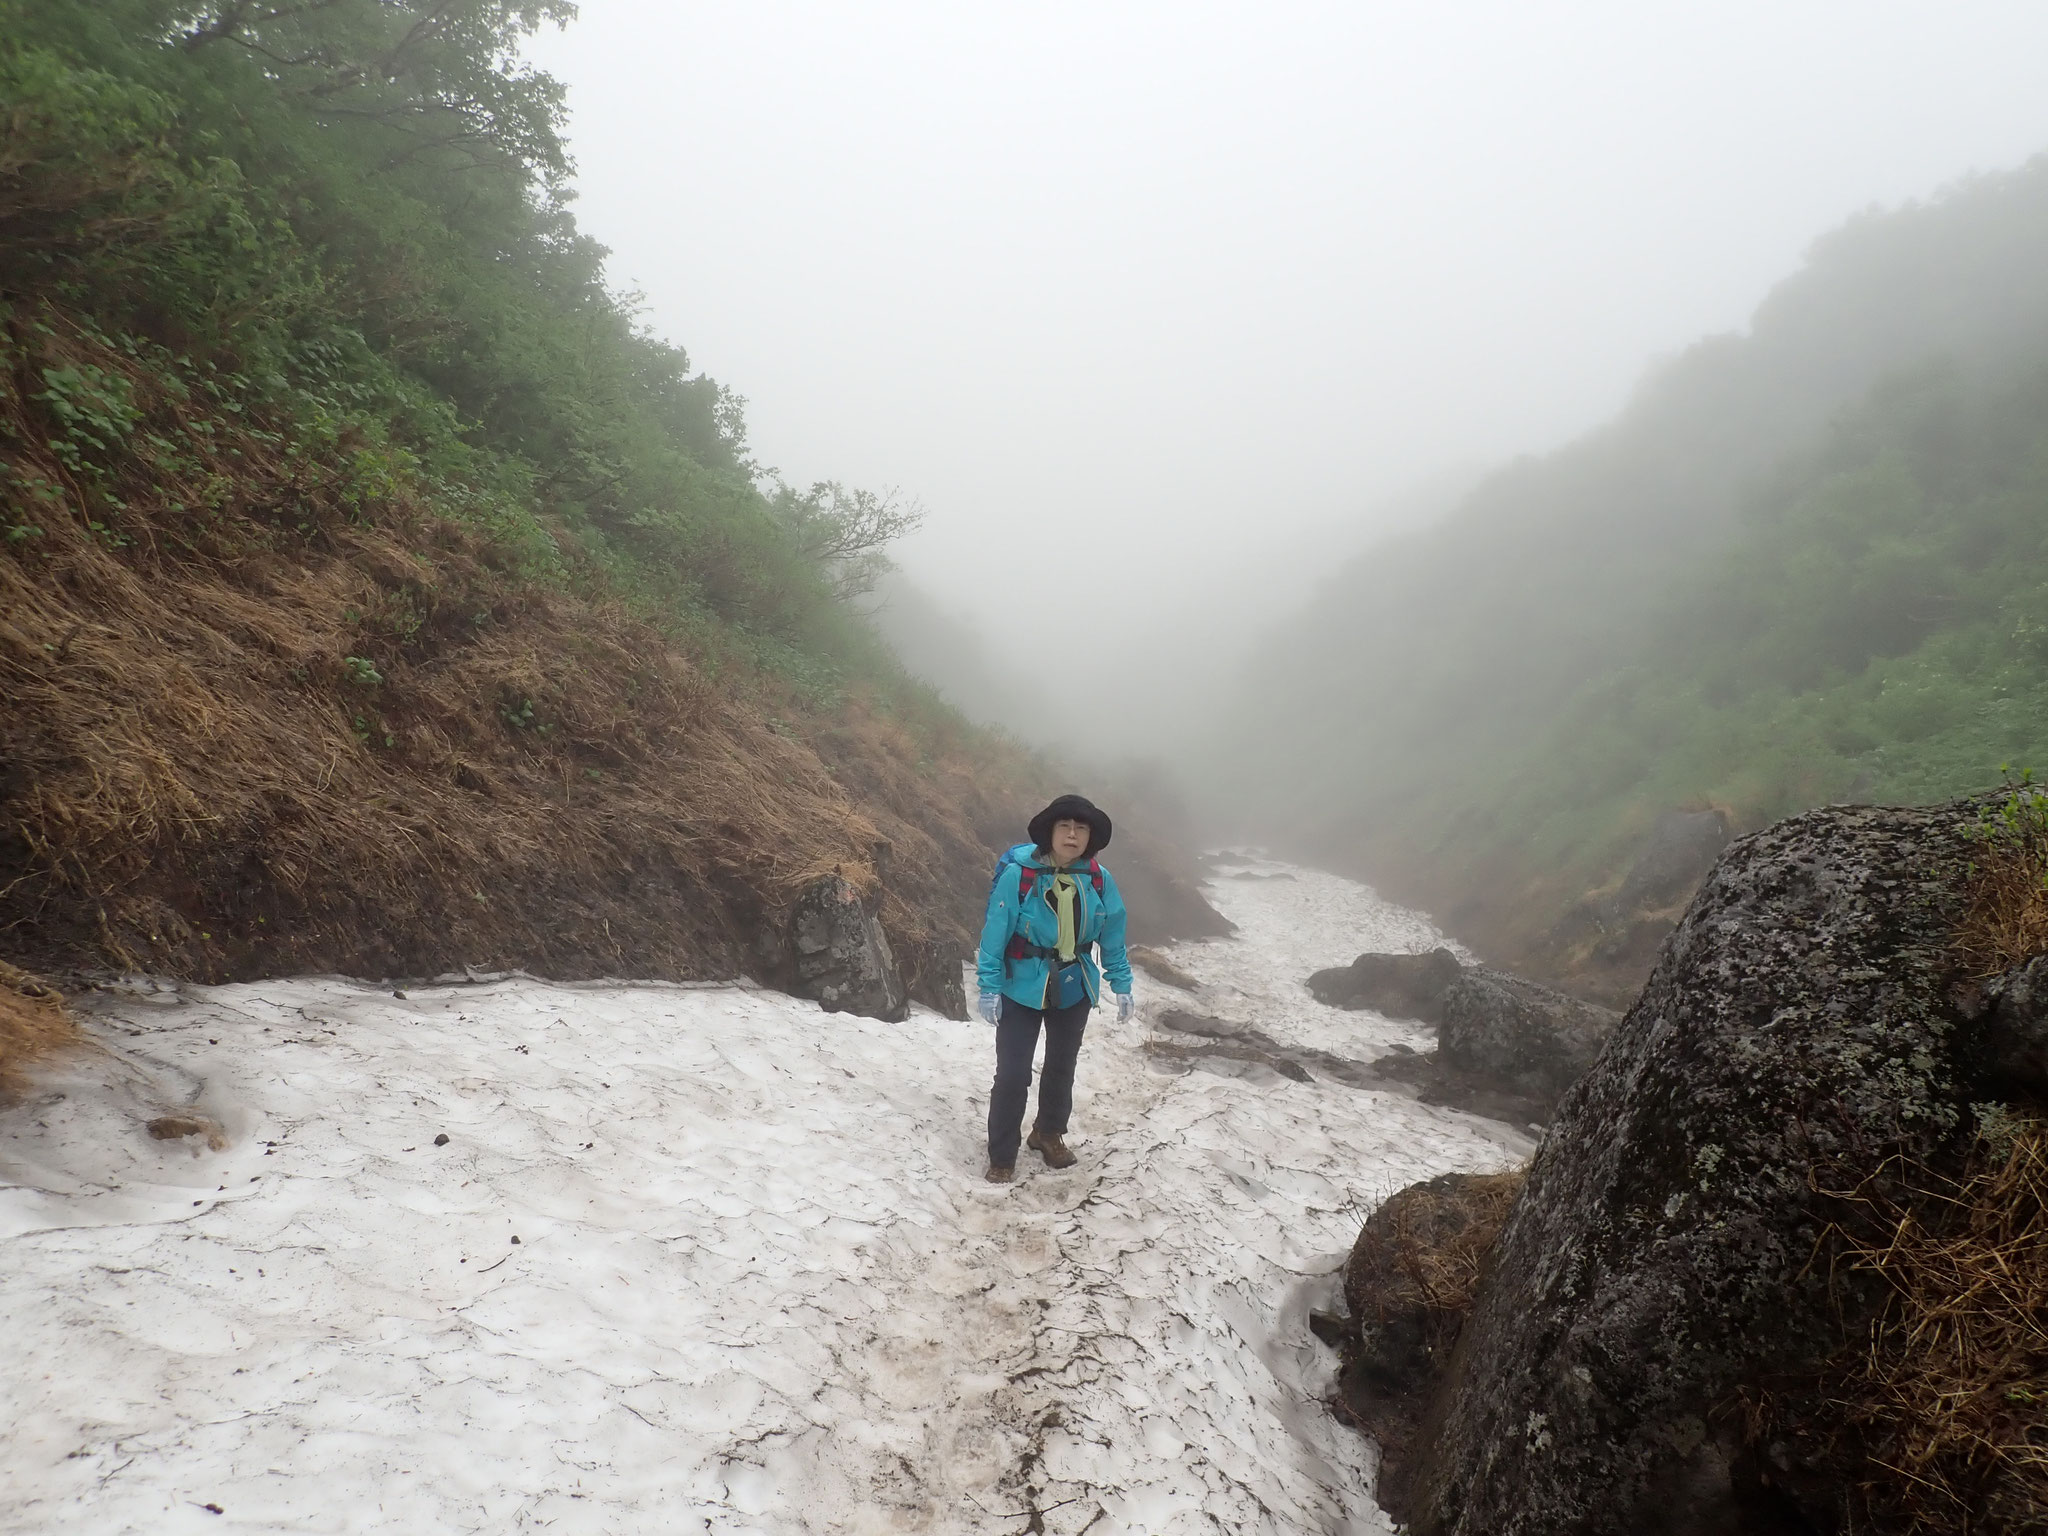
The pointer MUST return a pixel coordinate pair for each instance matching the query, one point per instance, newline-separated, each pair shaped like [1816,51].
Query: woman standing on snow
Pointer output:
[1050,903]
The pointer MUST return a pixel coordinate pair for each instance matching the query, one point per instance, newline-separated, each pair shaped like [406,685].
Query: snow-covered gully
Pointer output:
[698,1259]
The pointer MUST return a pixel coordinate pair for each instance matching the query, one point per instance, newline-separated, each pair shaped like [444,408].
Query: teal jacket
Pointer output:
[1097,920]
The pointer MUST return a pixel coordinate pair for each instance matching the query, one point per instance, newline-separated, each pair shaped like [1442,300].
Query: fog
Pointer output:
[1167,308]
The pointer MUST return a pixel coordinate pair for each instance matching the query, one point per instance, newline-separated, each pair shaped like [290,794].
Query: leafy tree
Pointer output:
[439,78]
[356,212]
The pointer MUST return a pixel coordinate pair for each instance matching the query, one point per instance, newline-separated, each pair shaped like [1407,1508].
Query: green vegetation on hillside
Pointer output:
[351,215]
[1806,564]
[1878,631]
[376,594]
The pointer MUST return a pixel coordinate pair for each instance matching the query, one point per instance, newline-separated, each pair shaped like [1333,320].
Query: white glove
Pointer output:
[1126,1005]
[990,1007]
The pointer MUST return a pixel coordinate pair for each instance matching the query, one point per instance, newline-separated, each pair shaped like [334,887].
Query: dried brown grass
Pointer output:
[195,782]
[33,1027]
[940,818]
[2006,922]
[1429,1249]
[1936,1420]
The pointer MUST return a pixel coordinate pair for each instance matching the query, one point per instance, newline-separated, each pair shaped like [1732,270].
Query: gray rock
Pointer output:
[1663,1254]
[1518,1036]
[1508,1047]
[2018,1031]
[938,984]
[1399,986]
[840,955]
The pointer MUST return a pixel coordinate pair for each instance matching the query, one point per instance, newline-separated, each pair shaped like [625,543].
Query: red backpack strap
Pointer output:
[1026,877]
[1095,874]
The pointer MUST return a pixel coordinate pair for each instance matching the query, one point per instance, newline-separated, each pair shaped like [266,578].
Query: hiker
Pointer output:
[1051,902]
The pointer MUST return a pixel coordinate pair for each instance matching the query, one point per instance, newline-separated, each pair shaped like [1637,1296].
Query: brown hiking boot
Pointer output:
[1052,1148]
[999,1174]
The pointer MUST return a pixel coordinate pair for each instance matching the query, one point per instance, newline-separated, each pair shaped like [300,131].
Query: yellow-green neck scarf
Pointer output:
[1063,894]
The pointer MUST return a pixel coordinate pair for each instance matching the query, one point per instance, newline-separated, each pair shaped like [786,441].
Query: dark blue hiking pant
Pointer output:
[1016,1044]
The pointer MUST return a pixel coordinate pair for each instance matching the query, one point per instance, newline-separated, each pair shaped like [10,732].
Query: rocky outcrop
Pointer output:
[1508,1047]
[1518,1036]
[1670,1250]
[1399,986]
[838,954]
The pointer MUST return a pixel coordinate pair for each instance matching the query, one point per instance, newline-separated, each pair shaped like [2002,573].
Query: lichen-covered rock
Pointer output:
[1517,1036]
[1670,1249]
[840,955]
[1399,986]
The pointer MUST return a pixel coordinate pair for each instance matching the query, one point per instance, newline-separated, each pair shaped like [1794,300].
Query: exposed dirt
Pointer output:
[1233,1041]
[1436,1081]
[1159,968]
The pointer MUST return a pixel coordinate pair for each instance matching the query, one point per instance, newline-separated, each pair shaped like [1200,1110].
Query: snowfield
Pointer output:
[697,1259]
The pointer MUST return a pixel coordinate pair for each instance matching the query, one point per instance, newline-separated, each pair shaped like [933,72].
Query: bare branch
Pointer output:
[846,532]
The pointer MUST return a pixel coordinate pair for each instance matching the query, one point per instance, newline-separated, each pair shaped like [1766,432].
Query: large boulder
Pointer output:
[840,956]
[1517,1036]
[1399,986]
[1409,1284]
[1507,1046]
[1670,1252]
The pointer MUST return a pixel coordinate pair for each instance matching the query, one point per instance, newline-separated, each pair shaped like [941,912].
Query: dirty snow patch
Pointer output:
[696,1259]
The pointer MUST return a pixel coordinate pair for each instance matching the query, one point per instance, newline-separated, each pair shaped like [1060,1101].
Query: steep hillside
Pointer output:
[374,595]
[1803,565]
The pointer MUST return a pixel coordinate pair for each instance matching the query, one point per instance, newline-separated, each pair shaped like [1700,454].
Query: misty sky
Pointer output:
[1149,291]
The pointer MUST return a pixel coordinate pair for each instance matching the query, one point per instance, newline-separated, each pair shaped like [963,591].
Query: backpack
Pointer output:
[1027,877]
[1027,874]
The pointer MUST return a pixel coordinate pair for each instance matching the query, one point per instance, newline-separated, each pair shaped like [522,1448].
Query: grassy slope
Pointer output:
[1805,565]
[374,596]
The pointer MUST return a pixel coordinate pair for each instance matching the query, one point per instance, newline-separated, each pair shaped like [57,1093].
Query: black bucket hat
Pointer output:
[1071,808]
